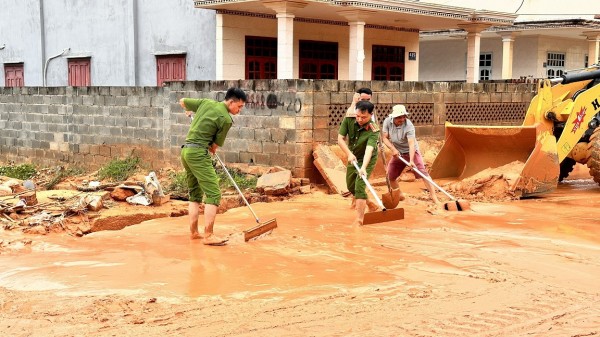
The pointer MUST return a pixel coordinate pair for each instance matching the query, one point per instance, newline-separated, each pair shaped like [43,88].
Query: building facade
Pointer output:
[548,38]
[104,43]
[327,39]
[144,43]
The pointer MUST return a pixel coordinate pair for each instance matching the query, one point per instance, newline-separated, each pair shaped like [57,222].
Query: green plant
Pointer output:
[178,184]
[62,174]
[119,169]
[22,172]
[243,180]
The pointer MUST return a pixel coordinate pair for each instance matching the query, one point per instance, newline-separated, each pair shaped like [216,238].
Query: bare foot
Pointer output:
[372,206]
[196,236]
[357,223]
[213,240]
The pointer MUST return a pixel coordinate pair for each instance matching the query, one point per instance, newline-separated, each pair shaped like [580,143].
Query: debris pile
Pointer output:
[492,184]
[23,206]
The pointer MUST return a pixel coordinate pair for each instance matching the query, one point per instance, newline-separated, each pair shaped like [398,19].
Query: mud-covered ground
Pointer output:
[505,268]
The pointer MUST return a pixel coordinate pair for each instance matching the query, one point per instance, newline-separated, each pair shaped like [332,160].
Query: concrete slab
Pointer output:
[275,183]
[331,168]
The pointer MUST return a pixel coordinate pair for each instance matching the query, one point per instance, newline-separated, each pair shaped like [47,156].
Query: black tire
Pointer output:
[594,161]
[566,167]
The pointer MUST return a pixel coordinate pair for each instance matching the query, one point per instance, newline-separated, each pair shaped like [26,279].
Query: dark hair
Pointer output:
[364,91]
[365,106]
[236,93]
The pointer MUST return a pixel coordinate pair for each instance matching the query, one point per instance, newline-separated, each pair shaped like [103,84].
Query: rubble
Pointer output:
[83,206]
[331,168]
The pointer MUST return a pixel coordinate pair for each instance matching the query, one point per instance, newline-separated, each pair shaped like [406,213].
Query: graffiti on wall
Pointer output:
[265,100]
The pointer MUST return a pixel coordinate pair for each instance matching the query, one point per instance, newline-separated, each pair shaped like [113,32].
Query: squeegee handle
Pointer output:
[236,187]
[426,177]
[368,185]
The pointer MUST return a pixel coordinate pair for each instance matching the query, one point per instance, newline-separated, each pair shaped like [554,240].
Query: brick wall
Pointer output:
[282,120]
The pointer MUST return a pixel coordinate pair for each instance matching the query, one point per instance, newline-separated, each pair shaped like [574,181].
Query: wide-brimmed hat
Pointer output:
[399,110]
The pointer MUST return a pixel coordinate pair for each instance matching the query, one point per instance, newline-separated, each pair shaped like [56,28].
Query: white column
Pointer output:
[508,41]
[219,64]
[285,34]
[357,51]
[473,49]
[593,39]
[285,46]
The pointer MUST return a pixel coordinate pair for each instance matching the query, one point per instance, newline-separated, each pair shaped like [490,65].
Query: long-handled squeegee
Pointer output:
[452,205]
[259,229]
[385,215]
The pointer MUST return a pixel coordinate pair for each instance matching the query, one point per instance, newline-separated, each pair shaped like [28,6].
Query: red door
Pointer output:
[170,68]
[79,72]
[13,75]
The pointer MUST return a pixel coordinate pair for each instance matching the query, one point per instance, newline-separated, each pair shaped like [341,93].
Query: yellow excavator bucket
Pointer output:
[525,155]
[529,162]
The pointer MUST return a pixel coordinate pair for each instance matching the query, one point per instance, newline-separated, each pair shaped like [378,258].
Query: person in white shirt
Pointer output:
[399,136]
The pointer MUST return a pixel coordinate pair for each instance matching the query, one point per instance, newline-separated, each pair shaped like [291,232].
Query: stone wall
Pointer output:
[281,121]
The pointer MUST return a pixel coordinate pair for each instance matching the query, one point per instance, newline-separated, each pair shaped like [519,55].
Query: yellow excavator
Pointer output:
[561,128]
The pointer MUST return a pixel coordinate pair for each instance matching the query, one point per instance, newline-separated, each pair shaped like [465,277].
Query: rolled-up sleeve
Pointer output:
[192,104]
[224,127]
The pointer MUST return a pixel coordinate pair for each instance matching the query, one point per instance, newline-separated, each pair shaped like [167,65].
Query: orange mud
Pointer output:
[513,268]
[492,184]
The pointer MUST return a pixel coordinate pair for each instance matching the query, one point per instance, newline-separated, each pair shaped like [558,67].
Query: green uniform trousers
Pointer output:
[354,182]
[200,175]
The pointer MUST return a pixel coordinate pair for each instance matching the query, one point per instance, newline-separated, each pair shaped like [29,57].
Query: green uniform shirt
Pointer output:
[360,137]
[210,124]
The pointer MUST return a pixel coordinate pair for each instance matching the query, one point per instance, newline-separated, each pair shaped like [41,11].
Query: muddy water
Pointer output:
[314,250]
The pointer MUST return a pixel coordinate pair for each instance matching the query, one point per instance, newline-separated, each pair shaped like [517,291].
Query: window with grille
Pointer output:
[170,68]
[388,63]
[14,75]
[318,60]
[261,57]
[485,66]
[79,72]
[555,64]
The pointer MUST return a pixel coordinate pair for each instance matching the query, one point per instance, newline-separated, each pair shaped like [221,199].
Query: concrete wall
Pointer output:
[122,38]
[280,124]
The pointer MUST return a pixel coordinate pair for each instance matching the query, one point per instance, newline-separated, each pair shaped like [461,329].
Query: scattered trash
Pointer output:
[140,199]
[28,184]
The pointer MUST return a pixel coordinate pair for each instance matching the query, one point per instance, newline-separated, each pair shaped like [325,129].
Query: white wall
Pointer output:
[101,30]
[525,57]
[443,60]
[175,25]
[20,33]
[121,37]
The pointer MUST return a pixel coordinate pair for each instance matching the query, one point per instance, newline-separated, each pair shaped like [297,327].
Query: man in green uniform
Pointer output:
[210,124]
[358,138]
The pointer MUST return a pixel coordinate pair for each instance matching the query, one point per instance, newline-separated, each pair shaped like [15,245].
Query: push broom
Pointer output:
[452,205]
[385,215]
[259,229]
